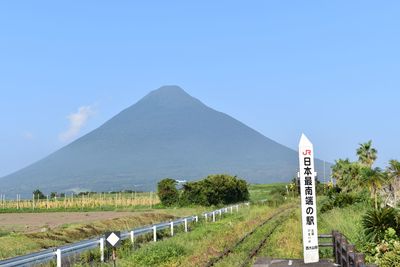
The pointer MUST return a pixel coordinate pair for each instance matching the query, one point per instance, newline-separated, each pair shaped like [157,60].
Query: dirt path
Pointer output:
[34,222]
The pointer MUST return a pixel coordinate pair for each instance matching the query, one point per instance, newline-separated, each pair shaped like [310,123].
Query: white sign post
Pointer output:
[308,201]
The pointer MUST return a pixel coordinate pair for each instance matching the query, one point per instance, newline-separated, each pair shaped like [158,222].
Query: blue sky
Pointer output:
[329,69]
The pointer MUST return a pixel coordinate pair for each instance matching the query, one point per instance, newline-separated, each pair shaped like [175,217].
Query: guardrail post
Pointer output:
[220,214]
[133,238]
[172,228]
[155,233]
[102,249]
[237,208]
[197,218]
[206,217]
[213,216]
[231,209]
[58,255]
[186,225]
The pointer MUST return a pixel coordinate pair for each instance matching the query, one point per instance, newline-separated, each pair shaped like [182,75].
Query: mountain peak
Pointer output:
[169,96]
[169,89]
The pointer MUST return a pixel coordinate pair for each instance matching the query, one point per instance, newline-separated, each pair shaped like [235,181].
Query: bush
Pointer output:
[38,194]
[376,221]
[387,252]
[343,199]
[215,190]
[167,192]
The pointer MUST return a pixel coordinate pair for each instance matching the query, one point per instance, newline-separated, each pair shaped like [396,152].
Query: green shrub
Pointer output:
[215,190]
[343,199]
[167,192]
[387,252]
[38,194]
[376,221]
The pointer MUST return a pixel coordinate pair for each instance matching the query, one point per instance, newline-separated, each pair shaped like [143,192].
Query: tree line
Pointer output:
[354,176]
[359,182]
[213,190]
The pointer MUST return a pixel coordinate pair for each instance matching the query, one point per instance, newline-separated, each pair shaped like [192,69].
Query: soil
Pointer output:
[36,222]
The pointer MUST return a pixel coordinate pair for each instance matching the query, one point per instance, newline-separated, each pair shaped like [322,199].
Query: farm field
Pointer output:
[82,202]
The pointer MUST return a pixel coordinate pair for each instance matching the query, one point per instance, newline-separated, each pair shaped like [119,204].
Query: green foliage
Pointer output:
[375,222]
[386,253]
[373,179]
[346,174]
[354,176]
[215,190]
[38,194]
[339,199]
[367,154]
[158,254]
[167,192]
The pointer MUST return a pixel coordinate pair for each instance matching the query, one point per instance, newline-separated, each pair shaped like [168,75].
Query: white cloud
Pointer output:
[76,122]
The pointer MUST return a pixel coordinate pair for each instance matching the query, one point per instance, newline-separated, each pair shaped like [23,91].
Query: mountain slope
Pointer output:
[166,134]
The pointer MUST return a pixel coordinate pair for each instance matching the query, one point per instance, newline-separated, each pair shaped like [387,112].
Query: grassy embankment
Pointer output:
[14,243]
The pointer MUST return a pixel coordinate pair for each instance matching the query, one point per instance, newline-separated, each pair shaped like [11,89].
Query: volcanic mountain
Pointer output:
[168,133]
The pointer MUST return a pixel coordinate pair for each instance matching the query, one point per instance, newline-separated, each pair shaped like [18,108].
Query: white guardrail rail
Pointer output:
[99,242]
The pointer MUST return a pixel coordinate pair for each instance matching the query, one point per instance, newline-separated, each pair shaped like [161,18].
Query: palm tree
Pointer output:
[346,174]
[373,179]
[367,154]
[393,171]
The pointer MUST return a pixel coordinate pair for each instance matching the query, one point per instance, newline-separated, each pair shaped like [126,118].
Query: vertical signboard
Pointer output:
[308,200]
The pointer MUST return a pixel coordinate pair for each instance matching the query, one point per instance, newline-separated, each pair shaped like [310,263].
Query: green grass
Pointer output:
[207,240]
[204,242]
[346,220]
[265,191]
[241,252]
[285,242]
[16,244]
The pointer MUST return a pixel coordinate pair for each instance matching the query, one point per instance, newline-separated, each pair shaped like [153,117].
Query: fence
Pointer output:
[69,250]
[345,254]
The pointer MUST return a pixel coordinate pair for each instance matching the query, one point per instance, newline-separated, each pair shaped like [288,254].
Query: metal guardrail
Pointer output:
[79,247]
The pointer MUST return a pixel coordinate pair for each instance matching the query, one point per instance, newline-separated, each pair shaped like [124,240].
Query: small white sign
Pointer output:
[308,201]
[113,238]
